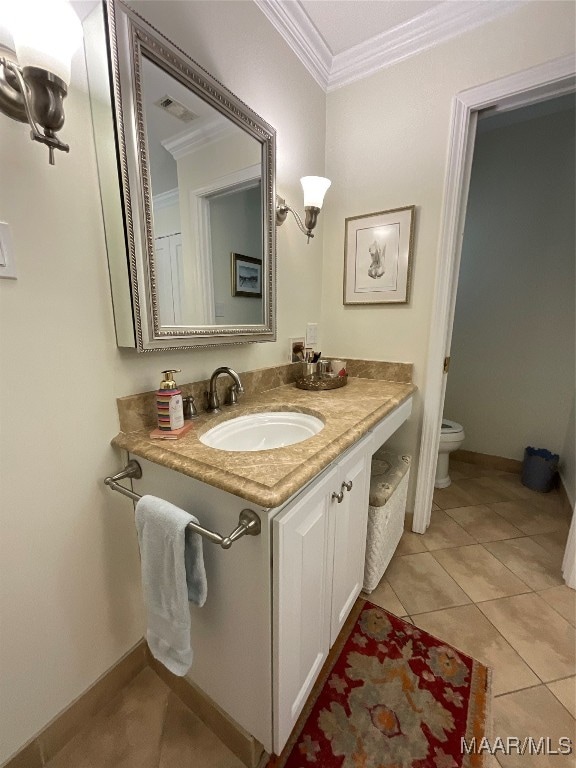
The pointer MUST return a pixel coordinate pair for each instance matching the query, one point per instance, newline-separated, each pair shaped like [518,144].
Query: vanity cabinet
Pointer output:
[277,601]
[318,544]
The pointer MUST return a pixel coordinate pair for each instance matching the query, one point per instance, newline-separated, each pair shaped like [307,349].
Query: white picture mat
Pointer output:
[386,240]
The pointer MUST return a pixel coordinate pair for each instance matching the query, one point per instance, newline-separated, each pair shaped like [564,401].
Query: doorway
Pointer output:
[542,83]
[511,379]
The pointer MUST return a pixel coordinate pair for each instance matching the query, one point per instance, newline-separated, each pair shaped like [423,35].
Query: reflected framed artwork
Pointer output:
[378,252]
[246,276]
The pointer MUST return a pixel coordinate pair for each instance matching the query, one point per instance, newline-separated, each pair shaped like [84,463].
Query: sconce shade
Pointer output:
[32,89]
[314,187]
[6,42]
[46,33]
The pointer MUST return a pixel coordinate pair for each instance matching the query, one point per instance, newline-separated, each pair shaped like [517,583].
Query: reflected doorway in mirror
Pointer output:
[246,276]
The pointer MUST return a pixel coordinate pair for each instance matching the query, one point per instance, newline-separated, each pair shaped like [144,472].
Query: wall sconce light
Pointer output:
[315,187]
[34,80]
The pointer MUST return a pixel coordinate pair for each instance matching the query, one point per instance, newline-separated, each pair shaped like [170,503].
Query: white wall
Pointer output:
[70,601]
[166,220]
[387,140]
[511,381]
[69,592]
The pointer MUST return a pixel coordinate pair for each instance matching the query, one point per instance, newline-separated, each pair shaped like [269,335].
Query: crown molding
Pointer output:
[293,23]
[437,25]
[446,20]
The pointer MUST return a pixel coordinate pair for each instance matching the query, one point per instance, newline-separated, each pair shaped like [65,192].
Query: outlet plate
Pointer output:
[311,334]
[7,263]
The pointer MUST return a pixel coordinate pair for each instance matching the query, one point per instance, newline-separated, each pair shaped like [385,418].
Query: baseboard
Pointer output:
[506,465]
[240,742]
[490,462]
[51,739]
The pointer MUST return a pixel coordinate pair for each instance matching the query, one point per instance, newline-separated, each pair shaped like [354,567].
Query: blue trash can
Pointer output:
[539,469]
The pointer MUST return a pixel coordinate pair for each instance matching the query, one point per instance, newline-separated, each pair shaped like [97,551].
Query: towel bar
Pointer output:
[248,522]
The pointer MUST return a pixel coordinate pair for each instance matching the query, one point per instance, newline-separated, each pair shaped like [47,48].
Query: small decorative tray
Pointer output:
[320,383]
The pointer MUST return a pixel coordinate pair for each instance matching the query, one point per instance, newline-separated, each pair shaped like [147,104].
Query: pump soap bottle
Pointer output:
[169,406]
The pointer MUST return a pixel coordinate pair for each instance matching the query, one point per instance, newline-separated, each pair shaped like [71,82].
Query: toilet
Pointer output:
[451,438]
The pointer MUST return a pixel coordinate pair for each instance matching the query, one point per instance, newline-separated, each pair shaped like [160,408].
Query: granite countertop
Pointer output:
[269,478]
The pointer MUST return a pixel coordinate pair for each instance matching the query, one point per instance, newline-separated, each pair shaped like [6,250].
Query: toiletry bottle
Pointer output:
[169,405]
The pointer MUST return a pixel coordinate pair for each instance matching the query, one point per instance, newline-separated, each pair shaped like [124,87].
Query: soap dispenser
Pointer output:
[169,406]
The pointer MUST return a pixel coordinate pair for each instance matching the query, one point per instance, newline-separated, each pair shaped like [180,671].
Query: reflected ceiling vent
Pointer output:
[176,109]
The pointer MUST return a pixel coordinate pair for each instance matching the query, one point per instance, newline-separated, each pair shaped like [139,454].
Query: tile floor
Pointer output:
[145,726]
[486,577]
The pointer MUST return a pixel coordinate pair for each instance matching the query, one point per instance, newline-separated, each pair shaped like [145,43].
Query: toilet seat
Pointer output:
[451,427]
[451,438]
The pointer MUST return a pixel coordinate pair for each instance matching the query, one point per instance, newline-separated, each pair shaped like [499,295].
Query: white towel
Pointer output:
[172,574]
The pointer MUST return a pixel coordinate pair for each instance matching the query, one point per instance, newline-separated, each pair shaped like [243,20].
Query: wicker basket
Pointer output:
[387,506]
[319,383]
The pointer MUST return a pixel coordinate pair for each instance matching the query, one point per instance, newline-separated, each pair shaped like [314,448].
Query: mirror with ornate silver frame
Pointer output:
[187,182]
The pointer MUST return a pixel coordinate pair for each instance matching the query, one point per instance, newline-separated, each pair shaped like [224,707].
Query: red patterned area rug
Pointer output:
[393,697]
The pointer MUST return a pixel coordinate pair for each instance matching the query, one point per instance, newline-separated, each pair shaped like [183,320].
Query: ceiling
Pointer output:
[346,23]
[340,41]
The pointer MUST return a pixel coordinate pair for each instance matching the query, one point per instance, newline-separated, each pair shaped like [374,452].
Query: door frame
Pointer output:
[554,78]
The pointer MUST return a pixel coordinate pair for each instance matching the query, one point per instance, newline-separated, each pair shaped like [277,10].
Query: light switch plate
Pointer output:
[7,264]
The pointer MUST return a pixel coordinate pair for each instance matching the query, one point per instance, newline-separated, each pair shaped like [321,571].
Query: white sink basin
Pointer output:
[262,431]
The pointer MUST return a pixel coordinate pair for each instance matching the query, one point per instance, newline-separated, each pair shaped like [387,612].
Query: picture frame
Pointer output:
[378,254]
[246,276]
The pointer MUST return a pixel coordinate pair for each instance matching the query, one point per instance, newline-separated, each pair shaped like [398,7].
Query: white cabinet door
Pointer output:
[349,520]
[302,549]
[319,546]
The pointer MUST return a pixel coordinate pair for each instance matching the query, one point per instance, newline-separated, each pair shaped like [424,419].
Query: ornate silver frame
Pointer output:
[129,37]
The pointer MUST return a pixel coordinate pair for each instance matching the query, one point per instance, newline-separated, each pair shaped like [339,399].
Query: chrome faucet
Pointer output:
[235,390]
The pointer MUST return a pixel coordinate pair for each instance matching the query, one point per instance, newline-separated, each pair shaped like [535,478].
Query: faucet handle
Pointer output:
[233,393]
[190,410]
